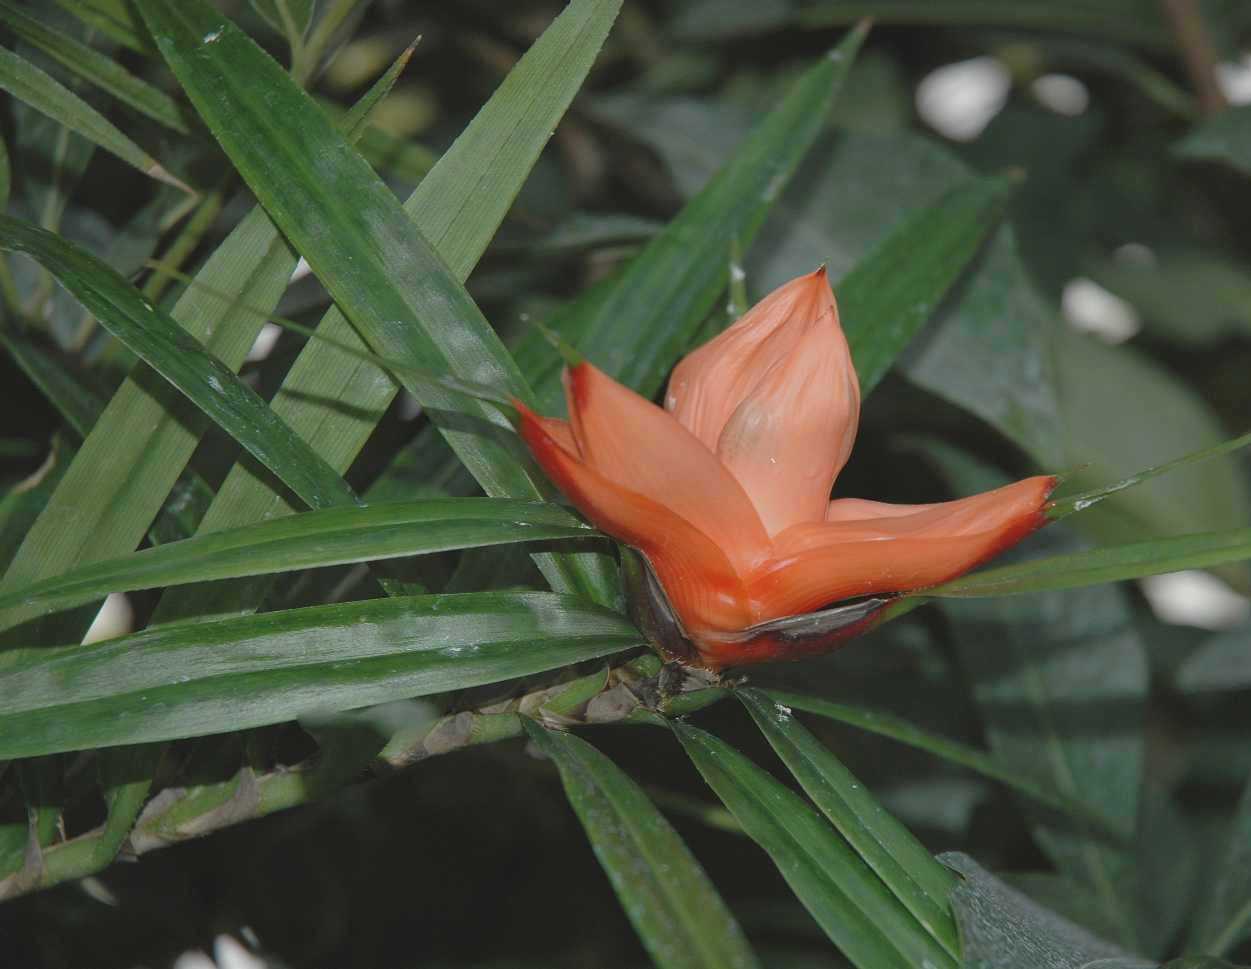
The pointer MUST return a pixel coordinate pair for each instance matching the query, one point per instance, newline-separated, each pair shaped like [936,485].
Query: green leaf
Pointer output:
[637,329]
[335,536]
[1043,669]
[77,405]
[885,845]
[1224,138]
[192,679]
[1062,507]
[45,94]
[182,360]
[988,348]
[6,175]
[894,290]
[673,906]
[1133,21]
[289,17]
[333,400]
[1107,394]
[140,445]
[114,19]
[357,238]
[1224,920]
[886,725]
[1101,565]
[845,897]
[1222,662]
[96,68]
[1002,929]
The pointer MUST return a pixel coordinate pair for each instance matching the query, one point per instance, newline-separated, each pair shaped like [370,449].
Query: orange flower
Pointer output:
[726,490]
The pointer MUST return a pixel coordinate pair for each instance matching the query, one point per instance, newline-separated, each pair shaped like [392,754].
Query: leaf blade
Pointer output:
[332,536]
[848,901]
[900,861]
[673,906]
[192,679]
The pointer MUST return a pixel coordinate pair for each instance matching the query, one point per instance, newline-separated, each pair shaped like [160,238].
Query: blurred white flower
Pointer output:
[959,100]
[1195,598]
[1091,308]
[1234,78]
[1062,93]
[228,953]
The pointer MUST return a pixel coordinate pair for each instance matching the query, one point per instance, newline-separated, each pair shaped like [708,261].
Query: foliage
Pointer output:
[272,277]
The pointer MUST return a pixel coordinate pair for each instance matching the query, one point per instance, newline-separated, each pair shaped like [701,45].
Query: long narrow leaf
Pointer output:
[335,401]
[673,906]
[182,360]
[335,536]
[136,451]
[886,725]
[359,241]
[191,679]
[903,864]
[897,287]
[98,69]
[47,95]
[1100,565]
[637,329]
[845,897]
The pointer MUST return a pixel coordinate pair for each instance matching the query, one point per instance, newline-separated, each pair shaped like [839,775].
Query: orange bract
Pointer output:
[726,492]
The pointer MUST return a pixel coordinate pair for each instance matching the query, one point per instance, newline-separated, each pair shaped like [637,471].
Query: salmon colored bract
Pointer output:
[725,491]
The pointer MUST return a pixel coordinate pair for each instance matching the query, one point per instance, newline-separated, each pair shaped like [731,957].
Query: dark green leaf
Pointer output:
[1225,138]
[45,94]
[1222,662]
[98,69]
[673,906]
[1002,929]
[1135,21]
[1061,680]
[76,404]
[983,763]
[333,400]
[158,339]
[1107,394]
[886,846]
[334,536]
[357,238]
[135,453]
[845,897]
[1224,920]
[988,348]
[191,679]
[1101,565]
[893,291]
[637,329]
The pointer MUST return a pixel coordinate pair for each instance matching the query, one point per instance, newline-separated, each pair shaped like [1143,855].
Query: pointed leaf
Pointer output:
[673,906]
[845,897]
[334,536]
[182,360]
[333,400]
[380,270]
[45,94]
[191,679]
[903,864]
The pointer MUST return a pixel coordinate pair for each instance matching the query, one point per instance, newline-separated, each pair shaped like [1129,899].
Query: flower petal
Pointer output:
[789,438]
[708,384]
[893,548]
[638,446]
[702,585]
